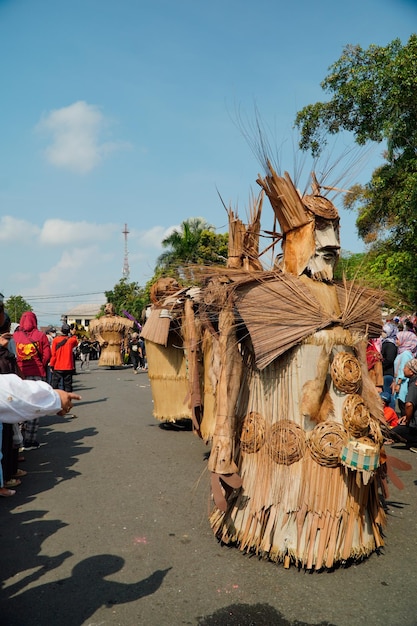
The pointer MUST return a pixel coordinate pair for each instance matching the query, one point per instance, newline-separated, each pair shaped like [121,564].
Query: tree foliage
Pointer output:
[128,297]
[375,98]
[195,242]
[15,307]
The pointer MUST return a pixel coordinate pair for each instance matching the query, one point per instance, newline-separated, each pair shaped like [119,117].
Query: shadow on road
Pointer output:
[250,615]
[73,600]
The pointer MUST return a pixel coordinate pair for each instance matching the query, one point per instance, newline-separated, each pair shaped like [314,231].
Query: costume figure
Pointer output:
[305,403]
[285,396]
[111,331]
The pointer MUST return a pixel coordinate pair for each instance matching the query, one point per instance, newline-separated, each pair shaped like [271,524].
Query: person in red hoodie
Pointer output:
[33,354]
[62,359]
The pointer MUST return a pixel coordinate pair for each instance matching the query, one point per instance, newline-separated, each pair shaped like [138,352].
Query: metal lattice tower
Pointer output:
[126,270]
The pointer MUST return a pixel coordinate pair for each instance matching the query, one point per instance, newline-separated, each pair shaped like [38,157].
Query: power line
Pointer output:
[63,296]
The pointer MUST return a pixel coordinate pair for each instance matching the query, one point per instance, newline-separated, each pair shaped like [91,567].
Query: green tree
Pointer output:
[128,297]
[195,242]
[16,306]
[375,98]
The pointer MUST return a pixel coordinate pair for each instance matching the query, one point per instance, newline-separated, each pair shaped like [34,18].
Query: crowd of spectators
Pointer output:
[48,356]
[394,356]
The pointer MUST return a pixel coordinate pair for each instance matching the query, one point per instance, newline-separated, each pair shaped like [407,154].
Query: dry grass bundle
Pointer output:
[287,442]
[270,310]
[346,372]
[222,451]
[237,232]
[191,332]
[326,442]
[360,305]
[167,373]
[156,328]
[252,434]
[355,415]
[285,199]
[375,432]
[211,358]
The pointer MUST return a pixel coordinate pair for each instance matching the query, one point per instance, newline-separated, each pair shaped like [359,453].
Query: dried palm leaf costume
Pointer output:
[111,331]
[293,417]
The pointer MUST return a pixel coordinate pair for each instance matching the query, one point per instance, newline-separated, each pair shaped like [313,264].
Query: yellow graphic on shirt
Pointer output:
[26,351]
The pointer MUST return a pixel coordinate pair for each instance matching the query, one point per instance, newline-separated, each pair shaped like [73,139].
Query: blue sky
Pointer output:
[128,112]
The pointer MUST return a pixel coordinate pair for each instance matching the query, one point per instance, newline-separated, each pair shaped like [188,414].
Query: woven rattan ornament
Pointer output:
[287,442]
[252,436]
[326,442]
[356,416]
[361,455]
[346,372]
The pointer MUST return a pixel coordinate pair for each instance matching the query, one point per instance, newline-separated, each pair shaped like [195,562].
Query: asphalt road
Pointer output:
[110,527]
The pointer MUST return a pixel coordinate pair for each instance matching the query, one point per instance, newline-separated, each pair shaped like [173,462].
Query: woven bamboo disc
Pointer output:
[346,372]
[252,435]
[326,442]
[375,432]
[356,417]
[287,442]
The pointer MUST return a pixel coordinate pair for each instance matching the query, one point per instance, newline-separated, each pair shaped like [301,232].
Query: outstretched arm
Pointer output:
[22,400]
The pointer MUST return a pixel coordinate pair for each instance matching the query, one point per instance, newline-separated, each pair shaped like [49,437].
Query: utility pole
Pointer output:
[126,270]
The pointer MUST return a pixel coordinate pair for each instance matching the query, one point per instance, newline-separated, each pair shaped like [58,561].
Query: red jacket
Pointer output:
[32,346]
[62,358]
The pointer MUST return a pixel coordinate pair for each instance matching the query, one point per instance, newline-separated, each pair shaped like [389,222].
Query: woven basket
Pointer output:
[326,442]
[356,417]
[346,373]
[252,435]
[361,455]
[287,442]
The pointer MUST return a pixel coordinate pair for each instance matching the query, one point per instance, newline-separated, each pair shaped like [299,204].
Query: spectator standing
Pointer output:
[62,359]
[389,348]
[85,350]
[33,354]
[50,332]
[142,358]
[134,352]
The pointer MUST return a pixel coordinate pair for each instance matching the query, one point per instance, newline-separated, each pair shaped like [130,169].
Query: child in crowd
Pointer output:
[390,415]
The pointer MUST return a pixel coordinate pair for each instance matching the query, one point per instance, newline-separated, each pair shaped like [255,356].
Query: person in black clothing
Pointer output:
[389,352]
[134,351]
[389,348]
[9,452]
[142,357]
[85,349]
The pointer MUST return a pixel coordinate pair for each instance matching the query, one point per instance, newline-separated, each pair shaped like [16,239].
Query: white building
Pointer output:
[82,314]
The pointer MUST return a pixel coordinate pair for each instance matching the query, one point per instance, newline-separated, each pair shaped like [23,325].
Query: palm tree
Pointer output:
[183,243]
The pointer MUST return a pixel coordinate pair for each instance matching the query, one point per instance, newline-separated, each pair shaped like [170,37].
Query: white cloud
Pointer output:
[14,230]
[62,232]
[75,132]
[153,237]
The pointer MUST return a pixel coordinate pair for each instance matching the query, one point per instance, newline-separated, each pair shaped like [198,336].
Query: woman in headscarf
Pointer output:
[406,344]
[33,354]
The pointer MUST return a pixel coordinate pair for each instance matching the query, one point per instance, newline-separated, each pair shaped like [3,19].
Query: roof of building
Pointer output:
[82,310]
